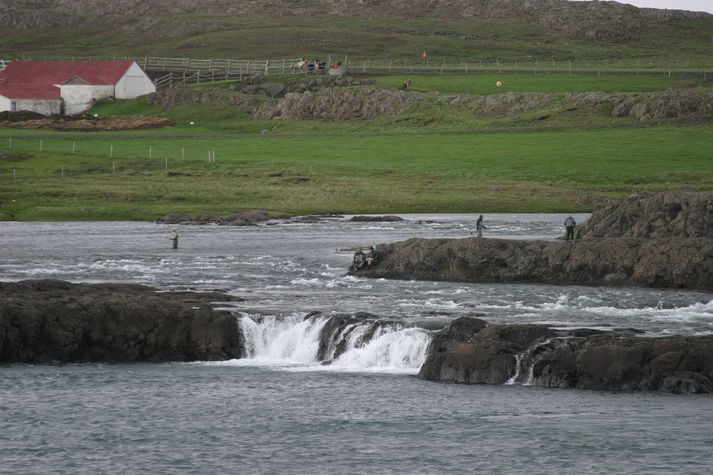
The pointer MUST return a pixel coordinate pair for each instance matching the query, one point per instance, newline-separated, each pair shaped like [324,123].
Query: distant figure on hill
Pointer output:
[174,238]
[569,225]
[479,226]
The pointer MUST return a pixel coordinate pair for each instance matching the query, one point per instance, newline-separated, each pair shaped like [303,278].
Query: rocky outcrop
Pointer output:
[338,103]
[376,219]
[612,262]
[44,321]
[660,240]
[244,217]
[471,352]
[681,214]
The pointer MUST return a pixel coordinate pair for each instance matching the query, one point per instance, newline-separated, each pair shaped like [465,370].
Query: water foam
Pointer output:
[292,343]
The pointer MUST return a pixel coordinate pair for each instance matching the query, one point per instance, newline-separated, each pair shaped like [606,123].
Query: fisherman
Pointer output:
[479,226]
[174,238]
[371,258]
[359,260]
[569,225]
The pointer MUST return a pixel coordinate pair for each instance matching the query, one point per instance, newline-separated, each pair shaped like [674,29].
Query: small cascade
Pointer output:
[526,359]
[518,369]
[344,344]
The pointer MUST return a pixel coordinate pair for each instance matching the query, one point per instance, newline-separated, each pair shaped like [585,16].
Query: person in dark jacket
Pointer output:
[479,226]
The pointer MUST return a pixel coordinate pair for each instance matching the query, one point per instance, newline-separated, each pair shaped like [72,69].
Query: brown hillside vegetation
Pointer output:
[573,20]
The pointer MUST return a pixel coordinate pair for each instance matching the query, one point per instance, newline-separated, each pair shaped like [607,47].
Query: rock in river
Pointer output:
[45,321]
[649,240]
[469,351]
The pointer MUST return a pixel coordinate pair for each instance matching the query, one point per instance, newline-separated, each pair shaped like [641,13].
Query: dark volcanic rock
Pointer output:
[685,263]
[537,355]
[376,219]
[54,321]
[245,217]
[681,214]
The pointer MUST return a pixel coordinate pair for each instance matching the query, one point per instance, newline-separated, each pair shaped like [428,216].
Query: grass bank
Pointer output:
[121,177]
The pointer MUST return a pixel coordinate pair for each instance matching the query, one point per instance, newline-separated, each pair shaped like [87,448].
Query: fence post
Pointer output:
[267,67]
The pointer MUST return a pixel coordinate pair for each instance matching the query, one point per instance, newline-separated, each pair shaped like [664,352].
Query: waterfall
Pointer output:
[364,345]
[292,339]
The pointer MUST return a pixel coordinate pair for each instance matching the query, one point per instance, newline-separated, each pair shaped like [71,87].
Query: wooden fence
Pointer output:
[232,68]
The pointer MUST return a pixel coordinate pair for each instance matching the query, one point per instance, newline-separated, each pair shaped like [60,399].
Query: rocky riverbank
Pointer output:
[44,321]
[651,240]
[472,352]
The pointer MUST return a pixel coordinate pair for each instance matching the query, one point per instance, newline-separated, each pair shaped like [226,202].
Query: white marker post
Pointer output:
[41,145]
[113,168]
[150,152]
[74,147]
[183,153]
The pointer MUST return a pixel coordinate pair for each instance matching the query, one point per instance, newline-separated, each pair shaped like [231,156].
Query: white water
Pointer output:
[293,342]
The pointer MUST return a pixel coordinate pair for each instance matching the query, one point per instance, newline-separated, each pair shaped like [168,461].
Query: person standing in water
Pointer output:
[174,238]
[479,226]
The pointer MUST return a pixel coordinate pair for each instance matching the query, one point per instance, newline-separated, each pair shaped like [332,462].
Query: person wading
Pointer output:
[479,226]
[174,238]
[569,225]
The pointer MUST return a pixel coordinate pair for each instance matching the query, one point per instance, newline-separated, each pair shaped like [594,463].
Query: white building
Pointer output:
[69,87]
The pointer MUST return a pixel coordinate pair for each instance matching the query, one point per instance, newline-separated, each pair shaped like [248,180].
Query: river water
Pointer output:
[282,411]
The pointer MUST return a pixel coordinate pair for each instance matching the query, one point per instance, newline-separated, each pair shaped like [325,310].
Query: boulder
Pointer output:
[44,321]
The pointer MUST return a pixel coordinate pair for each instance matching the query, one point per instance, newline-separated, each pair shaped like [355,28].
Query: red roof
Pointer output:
[13,91]
[47,73]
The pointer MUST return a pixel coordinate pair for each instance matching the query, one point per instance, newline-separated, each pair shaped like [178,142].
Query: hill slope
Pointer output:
[365,28]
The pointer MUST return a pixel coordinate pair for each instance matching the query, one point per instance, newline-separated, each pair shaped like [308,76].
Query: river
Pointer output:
[282,411]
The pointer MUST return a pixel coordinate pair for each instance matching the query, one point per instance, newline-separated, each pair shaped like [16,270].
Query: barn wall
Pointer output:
[102,91]
[41,106]
[4,104]
[77,98]
[134,83]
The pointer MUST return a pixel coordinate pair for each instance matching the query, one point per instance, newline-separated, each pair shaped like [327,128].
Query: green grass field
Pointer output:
[507,172]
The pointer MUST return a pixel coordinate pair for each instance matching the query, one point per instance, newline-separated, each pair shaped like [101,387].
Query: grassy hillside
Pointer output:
[595,34]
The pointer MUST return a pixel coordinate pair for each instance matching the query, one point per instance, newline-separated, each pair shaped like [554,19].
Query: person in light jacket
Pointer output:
[569,225]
